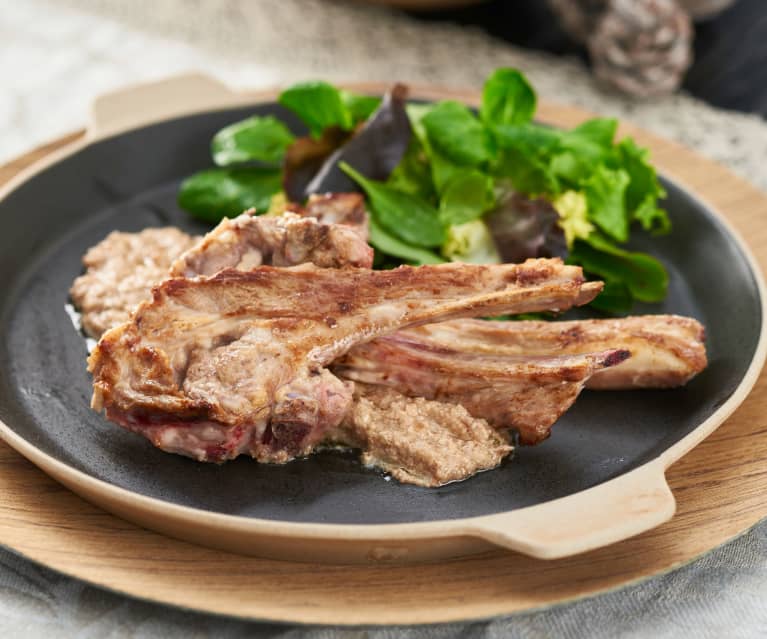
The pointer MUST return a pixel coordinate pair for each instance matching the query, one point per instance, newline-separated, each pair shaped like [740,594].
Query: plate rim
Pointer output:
[646,482]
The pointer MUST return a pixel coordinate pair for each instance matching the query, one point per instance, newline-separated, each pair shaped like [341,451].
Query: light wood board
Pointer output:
[720,486]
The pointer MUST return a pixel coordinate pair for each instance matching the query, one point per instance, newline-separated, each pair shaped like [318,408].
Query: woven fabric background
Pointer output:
[56,56]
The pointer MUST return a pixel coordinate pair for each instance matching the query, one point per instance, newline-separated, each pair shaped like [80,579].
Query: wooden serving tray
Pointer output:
[720,486]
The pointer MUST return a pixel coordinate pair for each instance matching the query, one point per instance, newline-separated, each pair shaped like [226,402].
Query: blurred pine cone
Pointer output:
[579,17]
[703,9]
[642,47]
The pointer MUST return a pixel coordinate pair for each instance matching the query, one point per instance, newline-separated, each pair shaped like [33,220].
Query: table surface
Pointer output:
[56,57]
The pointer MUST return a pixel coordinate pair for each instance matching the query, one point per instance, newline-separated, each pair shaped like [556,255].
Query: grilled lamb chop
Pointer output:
[527,393]
[235,363]
[541,365]
[330,230]
[666,350]
[248,241]
[419,441]
[337,208]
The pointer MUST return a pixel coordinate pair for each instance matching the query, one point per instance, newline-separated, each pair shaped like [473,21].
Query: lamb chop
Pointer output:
[336,208]
[330,231]
[248,241]
[666,350]
[527,393]
[236,363]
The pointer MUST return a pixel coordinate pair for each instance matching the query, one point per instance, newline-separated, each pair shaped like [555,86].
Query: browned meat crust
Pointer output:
[329,231]
[242,354]
[337,208]
[419,441]
[248,241]
[121,269]
[526,393]
[666,350]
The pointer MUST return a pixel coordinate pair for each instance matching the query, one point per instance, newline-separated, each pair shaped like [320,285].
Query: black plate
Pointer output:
[129,182]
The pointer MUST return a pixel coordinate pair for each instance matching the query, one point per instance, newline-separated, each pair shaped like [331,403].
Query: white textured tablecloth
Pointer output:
[56,56]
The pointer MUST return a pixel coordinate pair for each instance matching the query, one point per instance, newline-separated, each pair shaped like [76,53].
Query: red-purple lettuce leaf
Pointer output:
[374,150]
[525,227]
[305,157]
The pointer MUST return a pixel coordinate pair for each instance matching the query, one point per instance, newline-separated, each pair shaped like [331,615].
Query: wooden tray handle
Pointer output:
[604,514]
[141,104]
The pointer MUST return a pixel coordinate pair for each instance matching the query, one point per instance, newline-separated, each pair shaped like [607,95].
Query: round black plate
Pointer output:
[129,182]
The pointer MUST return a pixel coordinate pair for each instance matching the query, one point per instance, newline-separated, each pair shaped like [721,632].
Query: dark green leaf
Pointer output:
[390,245]
[530,137]
[580,151]
[644,180]
[651,217]
[643,275]
[455,131]
[605,192]
[507,98]
[359,106]
[466,197]
[413,174]
[644,189]
[597,132]
[416,114]
[319,105]
[443,170]
[528,173]
[615,299]
[216,193]
[569,167]
[525,157]
[405,216]
[256,139]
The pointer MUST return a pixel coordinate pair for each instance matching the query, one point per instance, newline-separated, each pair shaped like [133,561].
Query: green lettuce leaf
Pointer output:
[255,139]
[226,192]
[319,105]
[507,99]
[405,216]
[466,197]
[644,189]
[454,131]
[385,242]
[359,106]
[652,217]
[643,275]
[528,172]
[413,174]
[605,193]
[614,299]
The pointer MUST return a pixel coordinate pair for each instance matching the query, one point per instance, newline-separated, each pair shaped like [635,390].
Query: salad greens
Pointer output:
[227,192]
[444,182]
[253,140]
[405,216]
